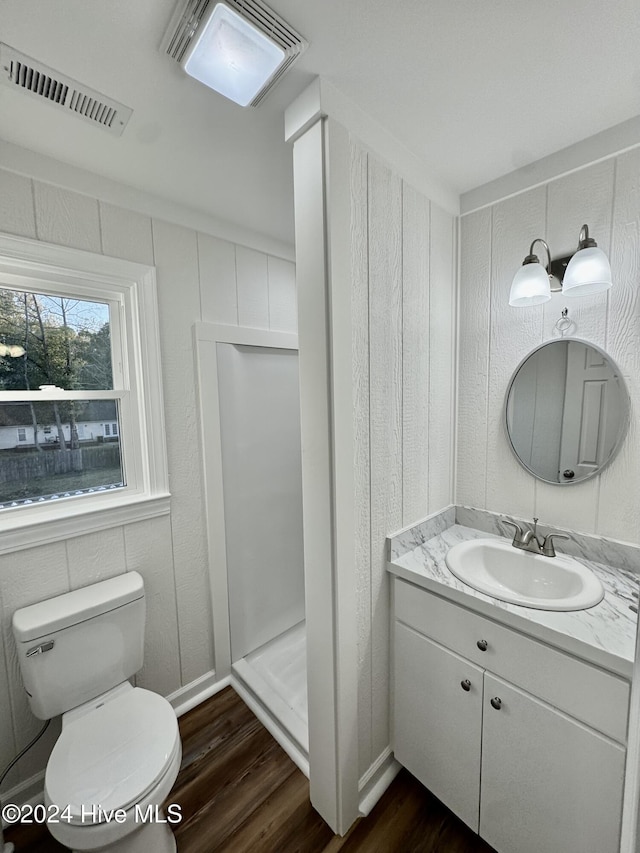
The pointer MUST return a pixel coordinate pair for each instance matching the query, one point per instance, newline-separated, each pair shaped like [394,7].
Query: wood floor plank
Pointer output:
[259,830]
[226,799]
[207,726]
[220,766]
[305,832]
[285,819]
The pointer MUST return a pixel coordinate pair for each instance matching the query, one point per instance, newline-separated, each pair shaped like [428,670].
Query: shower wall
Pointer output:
[261,467]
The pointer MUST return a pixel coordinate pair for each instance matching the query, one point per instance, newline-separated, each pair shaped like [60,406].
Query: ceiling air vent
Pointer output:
[24,74]
[187,17]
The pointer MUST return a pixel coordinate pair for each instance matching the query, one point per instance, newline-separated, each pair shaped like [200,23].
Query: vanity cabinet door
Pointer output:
[437,720]
[549,783]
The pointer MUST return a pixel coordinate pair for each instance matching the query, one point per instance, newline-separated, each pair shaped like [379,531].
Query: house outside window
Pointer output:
[78,342]
[111,430]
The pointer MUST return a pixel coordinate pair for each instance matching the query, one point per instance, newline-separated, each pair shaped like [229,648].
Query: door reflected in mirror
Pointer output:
[566,411]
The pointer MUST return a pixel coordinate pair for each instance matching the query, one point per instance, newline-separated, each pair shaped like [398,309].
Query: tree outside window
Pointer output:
[55,342]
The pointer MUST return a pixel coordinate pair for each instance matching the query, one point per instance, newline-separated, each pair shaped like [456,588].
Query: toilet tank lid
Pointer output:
[39,620]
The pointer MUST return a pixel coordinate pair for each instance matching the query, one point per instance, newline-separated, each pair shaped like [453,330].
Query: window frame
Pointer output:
[130,289]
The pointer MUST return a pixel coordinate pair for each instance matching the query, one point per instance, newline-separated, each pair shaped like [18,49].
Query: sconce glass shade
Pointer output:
[232,56]
[587,272]
[530,286]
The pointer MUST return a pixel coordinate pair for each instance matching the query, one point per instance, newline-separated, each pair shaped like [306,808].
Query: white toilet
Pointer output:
[120,746]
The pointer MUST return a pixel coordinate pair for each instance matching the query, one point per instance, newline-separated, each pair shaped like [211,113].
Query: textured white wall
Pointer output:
[494,338]
[199,277]
[403,273]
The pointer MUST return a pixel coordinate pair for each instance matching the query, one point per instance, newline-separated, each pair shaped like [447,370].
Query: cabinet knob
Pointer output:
[496,703]
[466,684]
[482,645]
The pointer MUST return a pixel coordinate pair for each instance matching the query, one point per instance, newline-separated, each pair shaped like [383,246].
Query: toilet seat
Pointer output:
[112,756]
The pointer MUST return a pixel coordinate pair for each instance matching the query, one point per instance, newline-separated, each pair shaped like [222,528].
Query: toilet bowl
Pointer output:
[111,769]
[119,751]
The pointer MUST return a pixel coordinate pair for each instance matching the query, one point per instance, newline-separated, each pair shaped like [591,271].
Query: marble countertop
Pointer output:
[604,634]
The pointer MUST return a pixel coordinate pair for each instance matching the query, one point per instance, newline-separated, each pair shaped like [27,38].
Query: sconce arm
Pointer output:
[533,258]
[584,241]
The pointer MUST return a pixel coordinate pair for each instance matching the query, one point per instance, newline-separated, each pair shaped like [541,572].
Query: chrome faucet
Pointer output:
[529,541]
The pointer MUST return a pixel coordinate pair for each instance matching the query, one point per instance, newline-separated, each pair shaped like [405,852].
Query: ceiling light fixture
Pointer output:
[585,272]
[239,49]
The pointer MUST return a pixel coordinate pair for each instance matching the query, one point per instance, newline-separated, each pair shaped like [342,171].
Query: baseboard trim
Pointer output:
[287,741]
[192,694]
[30,792]
[376,780]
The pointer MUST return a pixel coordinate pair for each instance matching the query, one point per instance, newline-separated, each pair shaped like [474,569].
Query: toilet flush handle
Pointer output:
[38,650]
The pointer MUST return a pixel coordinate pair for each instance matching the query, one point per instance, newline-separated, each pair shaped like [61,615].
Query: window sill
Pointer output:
[18,533]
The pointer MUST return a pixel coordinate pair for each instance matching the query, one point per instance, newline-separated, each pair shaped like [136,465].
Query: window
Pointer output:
[57,344]
[78,343]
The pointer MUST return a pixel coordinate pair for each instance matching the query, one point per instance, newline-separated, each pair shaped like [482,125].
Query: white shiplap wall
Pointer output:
[494,338]
[200,277]
[403,309]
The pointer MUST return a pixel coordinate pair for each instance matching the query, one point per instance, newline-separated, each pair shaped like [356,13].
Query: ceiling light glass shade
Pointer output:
[530,286]
[587,272]
[232,56]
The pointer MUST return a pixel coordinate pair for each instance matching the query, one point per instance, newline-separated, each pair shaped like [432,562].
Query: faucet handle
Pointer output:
[547,545]
[517,536]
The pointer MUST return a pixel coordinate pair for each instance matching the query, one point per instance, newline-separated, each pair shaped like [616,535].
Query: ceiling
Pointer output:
[476,89]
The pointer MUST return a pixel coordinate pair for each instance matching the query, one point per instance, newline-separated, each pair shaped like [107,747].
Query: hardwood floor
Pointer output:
[240,793]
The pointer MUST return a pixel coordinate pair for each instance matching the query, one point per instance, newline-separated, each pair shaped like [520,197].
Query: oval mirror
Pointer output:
[566,411]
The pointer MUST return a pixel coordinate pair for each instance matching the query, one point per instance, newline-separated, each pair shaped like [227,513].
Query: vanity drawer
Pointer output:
[588,693]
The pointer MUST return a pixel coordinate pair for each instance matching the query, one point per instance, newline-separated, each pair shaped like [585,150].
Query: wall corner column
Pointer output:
[321,189]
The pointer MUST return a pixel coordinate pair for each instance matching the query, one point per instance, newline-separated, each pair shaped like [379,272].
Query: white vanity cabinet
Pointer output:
[548,782]
[523,742]
[438,721]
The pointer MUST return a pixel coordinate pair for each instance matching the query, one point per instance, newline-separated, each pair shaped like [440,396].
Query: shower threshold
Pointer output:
[272,680]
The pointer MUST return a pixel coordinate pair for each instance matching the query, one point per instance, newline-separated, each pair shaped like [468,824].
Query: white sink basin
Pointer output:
[495,567]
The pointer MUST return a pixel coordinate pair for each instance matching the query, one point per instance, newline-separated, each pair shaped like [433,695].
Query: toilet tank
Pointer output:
[76,646]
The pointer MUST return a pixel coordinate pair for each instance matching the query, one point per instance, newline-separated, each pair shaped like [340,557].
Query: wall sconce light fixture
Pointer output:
[581,274]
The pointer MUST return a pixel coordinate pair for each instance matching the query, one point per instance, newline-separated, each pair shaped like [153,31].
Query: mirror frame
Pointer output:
[625,418]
